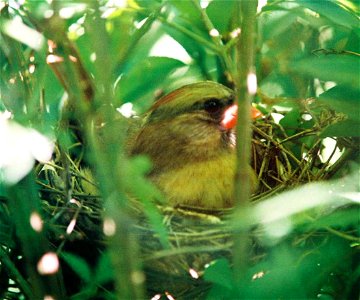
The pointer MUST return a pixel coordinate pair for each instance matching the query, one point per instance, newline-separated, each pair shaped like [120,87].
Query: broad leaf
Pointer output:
[343,69]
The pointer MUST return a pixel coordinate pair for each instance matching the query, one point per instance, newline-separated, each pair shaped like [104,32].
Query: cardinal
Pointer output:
[189,136]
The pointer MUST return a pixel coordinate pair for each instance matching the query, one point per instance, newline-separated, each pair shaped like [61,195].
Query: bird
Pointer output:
[189,135]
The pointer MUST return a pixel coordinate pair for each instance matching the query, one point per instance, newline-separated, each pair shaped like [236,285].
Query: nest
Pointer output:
[197,237]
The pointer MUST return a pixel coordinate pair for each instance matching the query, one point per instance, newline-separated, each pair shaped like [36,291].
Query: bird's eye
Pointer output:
[213,106]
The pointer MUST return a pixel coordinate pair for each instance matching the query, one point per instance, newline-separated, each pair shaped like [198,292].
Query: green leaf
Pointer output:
[220,13]
[344,100]
[220,273]
[353,43]
[346,128]
[145,77]
[104,270]
[334,12]
[186,10]
[147,193]
[78,265]
[279,85]
[347,217]
[343,69]
[291,121]
[277,22]
[6,227]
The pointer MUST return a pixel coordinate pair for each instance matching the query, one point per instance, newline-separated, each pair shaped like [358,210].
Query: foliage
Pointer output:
[67,68]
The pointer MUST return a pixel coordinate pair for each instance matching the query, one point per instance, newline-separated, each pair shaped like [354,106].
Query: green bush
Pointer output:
[68,67]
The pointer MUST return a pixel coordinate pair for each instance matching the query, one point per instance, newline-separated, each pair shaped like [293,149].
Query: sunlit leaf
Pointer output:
[23,33]
[21,147]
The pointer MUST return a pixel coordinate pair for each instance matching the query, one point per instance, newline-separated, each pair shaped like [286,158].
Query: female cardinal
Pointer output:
[189,136]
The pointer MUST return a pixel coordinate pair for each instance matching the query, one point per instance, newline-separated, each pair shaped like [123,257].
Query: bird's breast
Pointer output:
[207,184]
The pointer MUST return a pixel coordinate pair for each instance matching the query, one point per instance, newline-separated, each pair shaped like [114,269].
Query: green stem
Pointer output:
[105,151]
[221,49]
[245,65]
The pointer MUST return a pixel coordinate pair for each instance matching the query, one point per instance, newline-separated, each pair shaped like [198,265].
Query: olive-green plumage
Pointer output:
[193,155]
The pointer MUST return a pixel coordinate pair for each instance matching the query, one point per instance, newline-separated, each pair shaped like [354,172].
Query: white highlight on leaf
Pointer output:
[193,273]
[71,226]
[20,147]
[261,4]
[214,32]
[235,33]
[166,46]
[19,31]
[69,11]
[126,110]
[204,3]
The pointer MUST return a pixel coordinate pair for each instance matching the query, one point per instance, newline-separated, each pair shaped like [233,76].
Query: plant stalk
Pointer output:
[245,67]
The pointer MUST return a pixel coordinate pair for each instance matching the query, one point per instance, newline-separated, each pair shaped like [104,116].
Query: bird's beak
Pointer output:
[230,116]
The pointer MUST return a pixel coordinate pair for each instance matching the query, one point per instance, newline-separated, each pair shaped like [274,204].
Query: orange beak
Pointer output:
[230,116]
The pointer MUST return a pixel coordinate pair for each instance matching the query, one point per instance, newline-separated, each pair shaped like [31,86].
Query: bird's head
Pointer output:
[192,123]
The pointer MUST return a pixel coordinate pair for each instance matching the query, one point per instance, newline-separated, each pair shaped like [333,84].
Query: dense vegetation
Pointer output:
[69,67]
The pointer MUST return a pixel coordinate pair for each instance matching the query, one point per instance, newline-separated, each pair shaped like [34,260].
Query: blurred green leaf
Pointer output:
[193,36]
[286,270]
[347,101]
[344,100]
[279,277]
[279,85]
[288,204]
[78,265]
[291,121]
[353,43]
[220,274]
[343,69]
[139,186]
[189,15]
[220,13]
[22,33]
[333,12]
[346,128]
[344,218]
[277,22]
[144,78]
[6,227]
[104,271]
